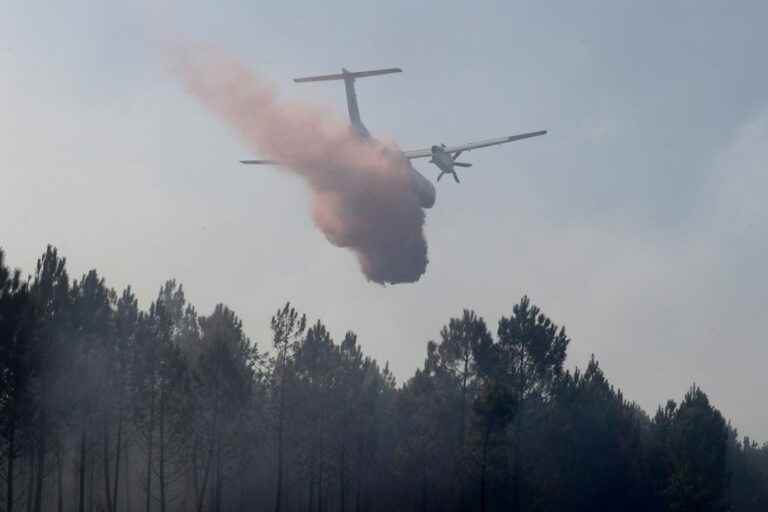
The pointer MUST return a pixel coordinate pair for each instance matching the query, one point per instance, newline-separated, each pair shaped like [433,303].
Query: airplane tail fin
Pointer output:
[349,85]
[345,75]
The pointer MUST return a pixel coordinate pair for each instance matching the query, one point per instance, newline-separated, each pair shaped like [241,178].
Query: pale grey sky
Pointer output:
[639,222]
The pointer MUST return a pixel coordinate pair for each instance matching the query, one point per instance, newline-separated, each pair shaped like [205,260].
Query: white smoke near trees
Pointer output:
[362,195]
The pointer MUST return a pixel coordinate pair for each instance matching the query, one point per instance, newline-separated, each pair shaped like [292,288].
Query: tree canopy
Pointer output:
[105,406]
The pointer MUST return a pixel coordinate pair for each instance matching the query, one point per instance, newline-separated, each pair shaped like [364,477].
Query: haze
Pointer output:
[638,222]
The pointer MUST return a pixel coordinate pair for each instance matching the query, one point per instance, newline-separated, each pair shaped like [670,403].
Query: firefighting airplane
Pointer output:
[444,157]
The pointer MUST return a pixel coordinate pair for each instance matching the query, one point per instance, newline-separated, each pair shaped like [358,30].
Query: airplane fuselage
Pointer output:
[445,158]
[423,188]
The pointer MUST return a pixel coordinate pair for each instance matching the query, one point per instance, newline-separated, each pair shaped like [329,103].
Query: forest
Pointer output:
[108,407]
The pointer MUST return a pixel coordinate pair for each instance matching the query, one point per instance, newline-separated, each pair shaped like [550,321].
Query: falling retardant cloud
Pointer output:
[362,194]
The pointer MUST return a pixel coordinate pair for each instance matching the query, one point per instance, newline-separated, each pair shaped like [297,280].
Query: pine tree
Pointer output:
[461,340]
[530,352]
[16,373]
[287,329]
[696,447]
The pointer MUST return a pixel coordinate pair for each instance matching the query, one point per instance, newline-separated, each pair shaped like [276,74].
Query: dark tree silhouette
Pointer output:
[530,355]
[287,329]
[106,406]
[696,445]
[16,372]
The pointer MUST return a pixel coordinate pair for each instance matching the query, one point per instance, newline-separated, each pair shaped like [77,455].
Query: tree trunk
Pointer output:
[59,477]
[516,465]
[320,486]
[278,498]
[242,494]
[81,479]
[162,447]
[30,480]
[206,473]
[91,482]
[195,469]
[11,457]
[200,497]
[41,452]
[423,506]
[218,477]
[358,493]
[460,457]
[516,477]
[484,468]
[128,489]
[148,504]
[342,482]
[464,399]
[361,474]
[522,386]
[311,480]
[118,450]
[319,462]
[107,479]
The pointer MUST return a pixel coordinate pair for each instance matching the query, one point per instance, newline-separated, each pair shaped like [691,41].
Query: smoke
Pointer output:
[362,197]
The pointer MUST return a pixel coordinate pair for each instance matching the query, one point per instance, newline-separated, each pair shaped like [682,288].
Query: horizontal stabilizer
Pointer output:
[348,74]
[259,162]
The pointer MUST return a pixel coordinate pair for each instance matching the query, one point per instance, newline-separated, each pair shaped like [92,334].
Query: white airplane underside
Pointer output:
[444,157]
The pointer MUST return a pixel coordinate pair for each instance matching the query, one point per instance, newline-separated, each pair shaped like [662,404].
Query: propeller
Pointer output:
[455,177]
[454,156]
[458,164]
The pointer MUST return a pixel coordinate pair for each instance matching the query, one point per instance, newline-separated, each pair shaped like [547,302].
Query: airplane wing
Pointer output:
[421,153]
[259,162]
[417,153]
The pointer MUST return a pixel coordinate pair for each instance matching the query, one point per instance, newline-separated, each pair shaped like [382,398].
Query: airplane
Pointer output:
[444,157]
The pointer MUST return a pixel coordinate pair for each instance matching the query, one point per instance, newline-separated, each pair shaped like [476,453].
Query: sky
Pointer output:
[639,221]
